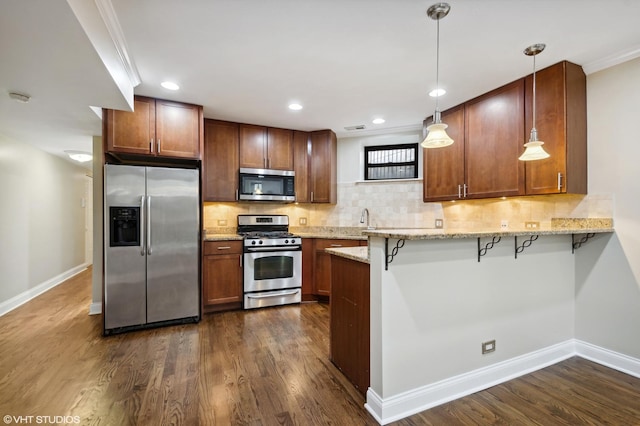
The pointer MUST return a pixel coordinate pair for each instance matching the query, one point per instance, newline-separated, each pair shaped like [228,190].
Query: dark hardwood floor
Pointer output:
[261,367]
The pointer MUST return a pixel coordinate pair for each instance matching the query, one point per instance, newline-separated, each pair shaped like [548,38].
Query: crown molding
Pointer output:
[110,19]
[611,60]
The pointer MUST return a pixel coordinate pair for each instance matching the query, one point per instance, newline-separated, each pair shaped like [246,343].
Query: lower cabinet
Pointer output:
[322,263]
[221,275]
[350,320]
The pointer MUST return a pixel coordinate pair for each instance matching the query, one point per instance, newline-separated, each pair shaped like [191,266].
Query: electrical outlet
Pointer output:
[222,222]
[504,224]
[302,221]
[439,223]
[532,225]
[488,347]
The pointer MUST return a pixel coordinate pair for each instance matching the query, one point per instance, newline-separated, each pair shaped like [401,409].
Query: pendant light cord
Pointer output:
[533,123]
[437,113]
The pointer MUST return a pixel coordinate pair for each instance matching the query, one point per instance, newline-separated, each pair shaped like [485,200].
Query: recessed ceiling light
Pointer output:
[169,85]
[378,120]
[437,92]
[80,156]
[295,107]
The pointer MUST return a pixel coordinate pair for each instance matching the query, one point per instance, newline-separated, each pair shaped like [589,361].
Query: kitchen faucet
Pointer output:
[365,210]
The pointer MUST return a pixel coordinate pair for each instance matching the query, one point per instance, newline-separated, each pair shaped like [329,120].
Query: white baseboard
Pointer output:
[95,308]
[608,358]
[396,407]
[24,297]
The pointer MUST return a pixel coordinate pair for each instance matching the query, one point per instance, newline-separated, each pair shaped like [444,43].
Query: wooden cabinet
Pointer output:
[307,269]
[488,134]
[220,161]
[492,130]
[494,138]
[323,167]
[301,165]
[222,275]
[155,128]
[265,147]
[349,327]
[561,122]
[315,163]
[322,262]
[443,169]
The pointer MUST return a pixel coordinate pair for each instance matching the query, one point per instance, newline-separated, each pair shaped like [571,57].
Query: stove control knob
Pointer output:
[253,243]
[286,241]
[260,242]
[293,241]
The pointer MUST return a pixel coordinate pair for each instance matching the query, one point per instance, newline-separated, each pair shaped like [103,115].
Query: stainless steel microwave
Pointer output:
[267,185]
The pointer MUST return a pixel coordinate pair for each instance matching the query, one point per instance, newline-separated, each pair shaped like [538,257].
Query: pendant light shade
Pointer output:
[436,134]
[533,148]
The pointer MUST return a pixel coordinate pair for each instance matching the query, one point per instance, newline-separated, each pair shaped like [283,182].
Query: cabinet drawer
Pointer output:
[222,247]
[322,244]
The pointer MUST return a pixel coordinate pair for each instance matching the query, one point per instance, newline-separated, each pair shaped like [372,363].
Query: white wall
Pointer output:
[608,271]
[42,221]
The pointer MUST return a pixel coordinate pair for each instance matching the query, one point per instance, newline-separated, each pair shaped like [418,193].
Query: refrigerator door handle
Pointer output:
[142,209]
[148,224]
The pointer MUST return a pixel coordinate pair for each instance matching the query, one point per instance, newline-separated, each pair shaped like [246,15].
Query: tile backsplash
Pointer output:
[399,205]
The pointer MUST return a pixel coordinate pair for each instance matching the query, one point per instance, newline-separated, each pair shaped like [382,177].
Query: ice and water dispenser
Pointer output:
[124,226]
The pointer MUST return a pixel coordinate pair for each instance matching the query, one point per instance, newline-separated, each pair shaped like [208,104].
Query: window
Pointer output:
[391,161]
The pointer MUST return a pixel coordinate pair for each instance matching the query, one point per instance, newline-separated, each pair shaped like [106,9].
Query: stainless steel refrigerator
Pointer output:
[152,234]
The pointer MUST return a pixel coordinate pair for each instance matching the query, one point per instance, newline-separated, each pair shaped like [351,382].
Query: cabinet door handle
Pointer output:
[559,181]
[464,192]
[224,248]
[459,191]
[336,245]
[151,145]
[312,196]
[240,261]
[237,194]
[158,145]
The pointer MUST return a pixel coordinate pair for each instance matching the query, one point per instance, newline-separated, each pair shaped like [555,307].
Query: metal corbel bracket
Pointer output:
[482,251]
[526,243]
[388,258]
[577,244]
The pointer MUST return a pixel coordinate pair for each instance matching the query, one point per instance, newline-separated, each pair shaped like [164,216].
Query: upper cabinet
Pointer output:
[265,147]
[220,160]
[489,133]
[444,167]
[323,167]
[155,128]
[561,121]
[301,165]
[315,163]
[494,138]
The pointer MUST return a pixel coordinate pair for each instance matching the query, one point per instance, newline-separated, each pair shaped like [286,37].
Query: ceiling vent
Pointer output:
[358,127]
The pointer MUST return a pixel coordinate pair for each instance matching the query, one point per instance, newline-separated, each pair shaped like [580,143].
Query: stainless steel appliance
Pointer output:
[272,261]
[267,185]
[151,253]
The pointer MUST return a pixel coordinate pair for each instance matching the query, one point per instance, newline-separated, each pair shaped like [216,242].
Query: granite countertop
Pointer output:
[359,254]
[559,226]
[221,237]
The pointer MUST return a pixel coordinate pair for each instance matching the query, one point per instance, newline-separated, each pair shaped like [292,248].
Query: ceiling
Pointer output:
[345,61]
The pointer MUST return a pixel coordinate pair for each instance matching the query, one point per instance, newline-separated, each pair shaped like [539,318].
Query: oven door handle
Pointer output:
[278,294]
[274,249]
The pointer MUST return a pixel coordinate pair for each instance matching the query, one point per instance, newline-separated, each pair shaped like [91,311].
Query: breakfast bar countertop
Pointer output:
[558,227]
[359,254]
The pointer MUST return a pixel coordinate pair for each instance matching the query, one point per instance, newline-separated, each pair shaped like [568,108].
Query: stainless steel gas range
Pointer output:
[272,261]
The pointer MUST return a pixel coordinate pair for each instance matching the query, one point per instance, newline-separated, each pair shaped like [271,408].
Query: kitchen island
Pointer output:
[437,297]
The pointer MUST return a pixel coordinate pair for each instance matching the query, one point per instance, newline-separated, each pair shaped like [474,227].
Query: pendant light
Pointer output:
[436,134]
[533,148]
